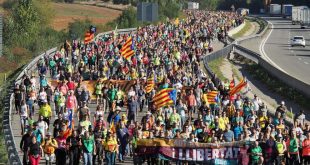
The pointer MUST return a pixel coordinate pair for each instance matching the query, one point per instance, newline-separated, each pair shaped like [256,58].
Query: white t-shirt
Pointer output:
[43,127]
[42,95]
[256,103]
[23,111]
[131,93]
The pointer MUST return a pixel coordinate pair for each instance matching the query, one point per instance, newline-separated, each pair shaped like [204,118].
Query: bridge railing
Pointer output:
[9,109]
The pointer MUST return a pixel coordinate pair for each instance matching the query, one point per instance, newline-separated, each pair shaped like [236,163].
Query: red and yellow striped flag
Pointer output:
[88,37]
[212,96]
[164,97]
[238,88]
[150,84]
[127,49]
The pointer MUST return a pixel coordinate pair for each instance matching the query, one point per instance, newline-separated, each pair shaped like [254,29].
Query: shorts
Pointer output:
[23,120]
[50,157]
[191,108]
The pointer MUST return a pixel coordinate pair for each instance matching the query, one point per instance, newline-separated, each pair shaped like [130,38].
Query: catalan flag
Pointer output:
[212,97]
[88,37]
[127,49]
[150,84]
[238,88]
[165,97]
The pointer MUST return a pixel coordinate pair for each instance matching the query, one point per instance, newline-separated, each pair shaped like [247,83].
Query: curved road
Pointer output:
[293,60]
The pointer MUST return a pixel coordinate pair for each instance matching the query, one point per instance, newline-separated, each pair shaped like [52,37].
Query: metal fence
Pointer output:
[9,107]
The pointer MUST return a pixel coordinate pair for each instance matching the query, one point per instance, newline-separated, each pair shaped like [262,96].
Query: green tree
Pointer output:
[78,28]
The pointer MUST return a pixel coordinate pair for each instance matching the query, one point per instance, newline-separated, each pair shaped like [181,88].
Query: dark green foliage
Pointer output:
[78,28]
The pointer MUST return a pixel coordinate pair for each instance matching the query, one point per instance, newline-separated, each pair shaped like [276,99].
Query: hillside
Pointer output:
[66,13]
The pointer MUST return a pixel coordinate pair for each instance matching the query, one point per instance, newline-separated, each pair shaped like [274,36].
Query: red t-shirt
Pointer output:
[71,85]
[306,147]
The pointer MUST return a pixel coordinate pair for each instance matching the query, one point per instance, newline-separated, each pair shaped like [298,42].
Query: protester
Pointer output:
[198,108]
[35,152]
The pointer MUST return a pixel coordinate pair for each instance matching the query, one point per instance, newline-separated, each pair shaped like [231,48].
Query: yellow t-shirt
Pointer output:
[110,144]
[49,146]
[223,121]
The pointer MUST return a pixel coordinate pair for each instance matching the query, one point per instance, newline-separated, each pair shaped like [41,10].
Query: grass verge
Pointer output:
[241,33]
[215,66]
[262,23]
[278,86]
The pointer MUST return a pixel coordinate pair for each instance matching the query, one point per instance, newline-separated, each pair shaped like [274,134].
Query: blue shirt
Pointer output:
[237,131]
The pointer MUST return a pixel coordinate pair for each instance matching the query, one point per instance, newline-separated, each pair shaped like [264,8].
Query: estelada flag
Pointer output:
[238,88]
[88,37]
[127,50]
[212,97]
[165,97]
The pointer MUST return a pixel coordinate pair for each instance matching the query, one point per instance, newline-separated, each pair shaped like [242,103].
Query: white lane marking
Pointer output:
[306,63]
[262,49]
[299,58]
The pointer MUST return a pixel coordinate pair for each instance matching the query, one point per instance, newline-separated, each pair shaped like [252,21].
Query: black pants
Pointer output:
[131,116]
[293,160]
[306,160]
[141,105]
[74,156]
[60,156]
[25,158]
[279,160]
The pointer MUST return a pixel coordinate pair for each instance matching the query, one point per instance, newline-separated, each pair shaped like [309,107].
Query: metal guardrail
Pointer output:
[9,100]
[119,31]
[8,109]
[291,81]
[249,54]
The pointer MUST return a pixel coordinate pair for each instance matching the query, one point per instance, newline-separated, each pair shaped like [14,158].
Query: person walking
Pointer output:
[110,147]
[256,154]
[89,148]
[35,152]
[280,148]
[293,152]
[74,151]
[24,145]
[306,150]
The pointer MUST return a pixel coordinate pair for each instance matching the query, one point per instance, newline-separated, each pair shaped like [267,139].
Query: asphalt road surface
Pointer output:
[278,51]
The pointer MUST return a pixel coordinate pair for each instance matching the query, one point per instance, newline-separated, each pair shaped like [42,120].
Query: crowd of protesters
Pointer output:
[170,52]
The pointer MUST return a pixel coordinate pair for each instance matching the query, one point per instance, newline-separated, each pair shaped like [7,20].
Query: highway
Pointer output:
[277,50]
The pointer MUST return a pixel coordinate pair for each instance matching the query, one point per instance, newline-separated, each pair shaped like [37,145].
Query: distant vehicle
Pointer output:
[298,41]
[243,11]
[193,5]
[296,14]
[275,9]
[287,10]
[305,18]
